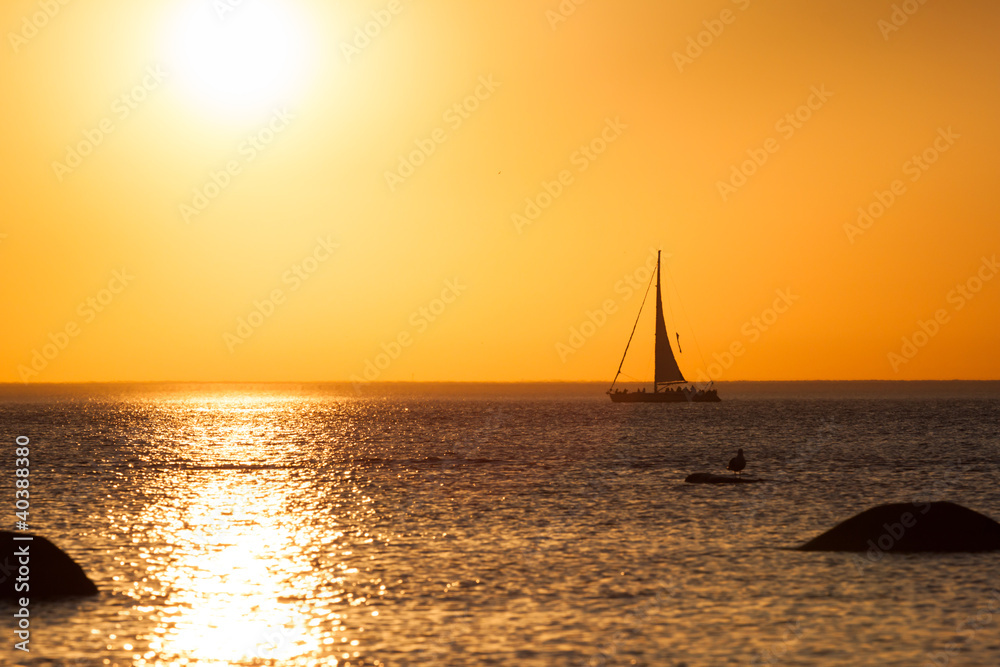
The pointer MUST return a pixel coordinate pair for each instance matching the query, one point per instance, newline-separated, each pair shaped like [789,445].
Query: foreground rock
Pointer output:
[709,478]
[910,528]
[51,573]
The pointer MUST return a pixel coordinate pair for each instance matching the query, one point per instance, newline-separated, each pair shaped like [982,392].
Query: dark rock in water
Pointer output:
[51,572]
[910,528]
[709,478]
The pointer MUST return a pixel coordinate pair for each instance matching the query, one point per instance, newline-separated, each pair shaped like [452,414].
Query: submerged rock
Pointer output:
[710,478]
[51,572]
[910,528]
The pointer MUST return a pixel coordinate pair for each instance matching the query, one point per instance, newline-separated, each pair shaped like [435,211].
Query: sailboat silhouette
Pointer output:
[666,371]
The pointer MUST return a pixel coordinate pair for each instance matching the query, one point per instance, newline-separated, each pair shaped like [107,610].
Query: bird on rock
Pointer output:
[738,462]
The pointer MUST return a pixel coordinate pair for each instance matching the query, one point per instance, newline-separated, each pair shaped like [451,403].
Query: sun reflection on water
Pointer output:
[243,574]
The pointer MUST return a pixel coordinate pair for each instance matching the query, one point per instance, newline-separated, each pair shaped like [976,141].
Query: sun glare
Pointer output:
[238,58]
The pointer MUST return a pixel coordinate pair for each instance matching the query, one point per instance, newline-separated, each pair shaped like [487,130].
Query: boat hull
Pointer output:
[666,397]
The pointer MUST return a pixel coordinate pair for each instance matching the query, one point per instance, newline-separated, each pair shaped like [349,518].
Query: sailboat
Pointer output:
[666,372]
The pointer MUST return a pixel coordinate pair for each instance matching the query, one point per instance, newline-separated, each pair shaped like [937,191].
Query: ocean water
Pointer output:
[500,525]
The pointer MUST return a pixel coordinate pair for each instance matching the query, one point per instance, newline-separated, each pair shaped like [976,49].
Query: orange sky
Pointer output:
[258,190]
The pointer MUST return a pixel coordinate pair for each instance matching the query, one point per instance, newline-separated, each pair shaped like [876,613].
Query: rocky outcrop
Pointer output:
[710,478]
[36,568]
[909,528]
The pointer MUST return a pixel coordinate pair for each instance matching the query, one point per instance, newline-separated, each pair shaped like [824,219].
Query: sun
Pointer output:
[239,58]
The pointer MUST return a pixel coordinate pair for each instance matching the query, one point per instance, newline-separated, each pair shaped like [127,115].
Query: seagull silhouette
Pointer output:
[737,463]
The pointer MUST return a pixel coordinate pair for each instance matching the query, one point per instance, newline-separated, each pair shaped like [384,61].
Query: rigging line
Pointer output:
[688,319]
[633,333]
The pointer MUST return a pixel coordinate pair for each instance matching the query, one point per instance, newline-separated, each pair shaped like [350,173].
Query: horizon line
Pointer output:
[397,382]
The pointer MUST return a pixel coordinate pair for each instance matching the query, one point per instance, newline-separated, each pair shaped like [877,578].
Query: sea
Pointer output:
[499,524]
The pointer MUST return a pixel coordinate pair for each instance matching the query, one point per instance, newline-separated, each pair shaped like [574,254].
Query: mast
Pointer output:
[665,370]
